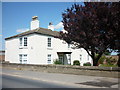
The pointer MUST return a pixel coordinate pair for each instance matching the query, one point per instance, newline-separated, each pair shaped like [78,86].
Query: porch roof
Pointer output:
[64,52]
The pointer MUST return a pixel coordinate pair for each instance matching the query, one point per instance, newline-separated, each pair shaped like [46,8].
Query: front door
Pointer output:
[61,58]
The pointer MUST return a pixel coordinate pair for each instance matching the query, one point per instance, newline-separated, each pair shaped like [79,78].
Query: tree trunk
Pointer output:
[95,62]
[94,58]
[118,63]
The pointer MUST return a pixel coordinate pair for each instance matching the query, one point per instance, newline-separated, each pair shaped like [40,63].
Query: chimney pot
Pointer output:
[35,18]
[51,26]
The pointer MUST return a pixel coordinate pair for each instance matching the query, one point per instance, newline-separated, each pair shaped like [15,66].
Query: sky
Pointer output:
[16,16]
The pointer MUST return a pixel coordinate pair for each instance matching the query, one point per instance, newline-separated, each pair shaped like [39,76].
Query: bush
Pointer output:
[107,61]
[87,64]
[76,62]
[101,60]
[57,61]
[111,61]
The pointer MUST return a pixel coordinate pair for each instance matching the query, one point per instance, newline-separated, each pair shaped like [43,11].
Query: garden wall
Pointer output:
[68,69]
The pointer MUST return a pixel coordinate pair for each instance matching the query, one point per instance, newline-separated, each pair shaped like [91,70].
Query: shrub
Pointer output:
[111,61]
[76,62]
[107,61]
[87,64]
[101,60]
[57,61]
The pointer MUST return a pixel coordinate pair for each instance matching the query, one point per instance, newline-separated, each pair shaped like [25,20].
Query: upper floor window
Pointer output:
[49,42]
[23,41]
[20,41]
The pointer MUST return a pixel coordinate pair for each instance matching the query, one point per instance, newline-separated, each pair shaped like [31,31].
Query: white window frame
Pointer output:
[23,58]
[49,58]
[23,42]
[80,57]
[49,42]
[20,40]
[20,58]
[69,58]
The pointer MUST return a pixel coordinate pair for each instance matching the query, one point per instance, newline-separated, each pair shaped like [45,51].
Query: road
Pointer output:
[18,82]
[30,79]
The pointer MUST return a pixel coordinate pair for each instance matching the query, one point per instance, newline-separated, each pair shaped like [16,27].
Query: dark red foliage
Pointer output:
[94,27]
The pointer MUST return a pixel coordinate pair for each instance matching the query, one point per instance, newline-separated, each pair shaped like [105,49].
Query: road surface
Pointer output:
[30,79]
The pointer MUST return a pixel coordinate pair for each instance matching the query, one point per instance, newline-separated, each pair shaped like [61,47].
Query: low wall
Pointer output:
[68,69]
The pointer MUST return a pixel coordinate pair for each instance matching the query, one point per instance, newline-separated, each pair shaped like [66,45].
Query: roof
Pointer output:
[42,31]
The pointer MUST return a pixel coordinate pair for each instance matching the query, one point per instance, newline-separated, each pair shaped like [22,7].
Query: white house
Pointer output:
[41,46]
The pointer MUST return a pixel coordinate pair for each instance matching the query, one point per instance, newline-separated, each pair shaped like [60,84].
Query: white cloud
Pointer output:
[59,26]
[64,31]
[22,30]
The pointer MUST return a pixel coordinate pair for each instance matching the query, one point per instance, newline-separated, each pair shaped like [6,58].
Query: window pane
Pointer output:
[20,41]
[20,58]
[23,58]
[80,57]
[69,57]
[25,55]
[49,59]
[49,42]
[25,41]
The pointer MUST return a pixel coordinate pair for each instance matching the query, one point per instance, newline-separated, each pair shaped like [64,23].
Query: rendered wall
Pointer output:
[37,50]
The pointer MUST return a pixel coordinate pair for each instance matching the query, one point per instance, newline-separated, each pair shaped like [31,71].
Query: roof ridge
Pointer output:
[39,30]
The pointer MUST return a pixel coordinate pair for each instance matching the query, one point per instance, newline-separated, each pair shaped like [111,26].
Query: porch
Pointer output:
[64,57]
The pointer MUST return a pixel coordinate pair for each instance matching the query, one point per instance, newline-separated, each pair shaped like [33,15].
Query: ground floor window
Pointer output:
[69,58]
[23,58]
[49,59]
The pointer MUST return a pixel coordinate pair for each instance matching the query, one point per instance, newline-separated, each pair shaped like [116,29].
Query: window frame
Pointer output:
[20,41]
[80,57]
[49,42]
[23,58]
[49,58]
[23,42]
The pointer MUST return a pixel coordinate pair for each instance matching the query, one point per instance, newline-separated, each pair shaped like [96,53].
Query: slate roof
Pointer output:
[40,30]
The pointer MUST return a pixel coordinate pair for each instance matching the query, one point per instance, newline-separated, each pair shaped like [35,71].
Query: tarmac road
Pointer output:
[30,79]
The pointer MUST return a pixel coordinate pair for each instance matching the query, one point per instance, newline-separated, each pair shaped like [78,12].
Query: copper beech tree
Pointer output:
[93,26]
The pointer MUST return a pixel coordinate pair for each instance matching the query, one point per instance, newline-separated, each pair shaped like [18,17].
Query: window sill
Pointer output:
[49,48]
[23,47]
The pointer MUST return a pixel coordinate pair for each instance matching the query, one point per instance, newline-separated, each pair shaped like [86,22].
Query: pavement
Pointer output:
[78,81]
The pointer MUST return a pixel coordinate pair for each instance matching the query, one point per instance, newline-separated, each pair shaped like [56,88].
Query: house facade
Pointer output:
[41,46]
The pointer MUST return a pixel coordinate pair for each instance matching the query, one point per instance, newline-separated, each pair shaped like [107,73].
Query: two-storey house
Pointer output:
[41,46]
